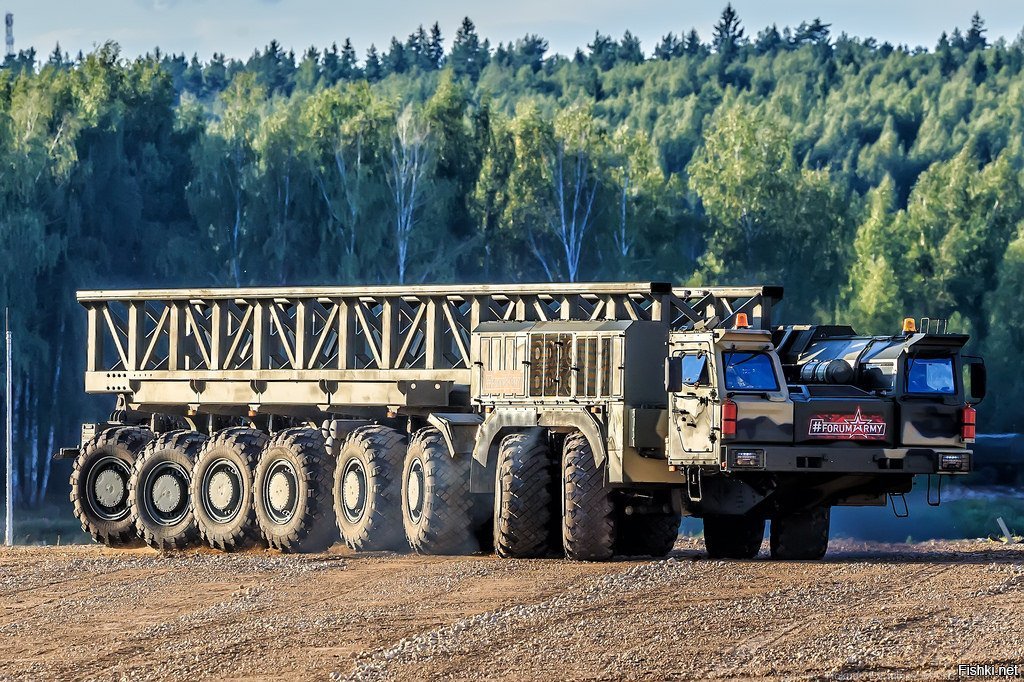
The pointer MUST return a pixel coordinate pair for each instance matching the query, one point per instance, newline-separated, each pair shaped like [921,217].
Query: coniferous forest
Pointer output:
[873,181]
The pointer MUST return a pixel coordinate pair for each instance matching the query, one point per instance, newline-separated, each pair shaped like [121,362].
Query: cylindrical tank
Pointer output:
[837,371]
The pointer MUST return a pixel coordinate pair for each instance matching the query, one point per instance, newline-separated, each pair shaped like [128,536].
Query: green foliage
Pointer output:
[1003,344]
[770,219]
[872,181]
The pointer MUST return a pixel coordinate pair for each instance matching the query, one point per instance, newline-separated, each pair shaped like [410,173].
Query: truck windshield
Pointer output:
[749,371]
[930,375]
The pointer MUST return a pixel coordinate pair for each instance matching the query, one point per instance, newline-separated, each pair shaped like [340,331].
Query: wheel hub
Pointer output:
[414,490]
[167,493]
[353,490]
[109,488]
[222,490]
[281,491]
[106,489]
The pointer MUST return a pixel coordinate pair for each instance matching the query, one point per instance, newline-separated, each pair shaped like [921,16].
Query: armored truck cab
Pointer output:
[810,417]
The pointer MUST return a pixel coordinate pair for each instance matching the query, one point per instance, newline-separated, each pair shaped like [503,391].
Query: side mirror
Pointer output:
[977,380]
[674,374]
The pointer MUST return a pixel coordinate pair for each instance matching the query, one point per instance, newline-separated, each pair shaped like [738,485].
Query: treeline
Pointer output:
[874,181]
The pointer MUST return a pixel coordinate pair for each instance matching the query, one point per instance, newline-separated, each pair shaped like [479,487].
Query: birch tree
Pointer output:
[225,169]
[406,174]
[347,130]
[637,178]
[556,186]
[575,166]
[527,204]
[36,153]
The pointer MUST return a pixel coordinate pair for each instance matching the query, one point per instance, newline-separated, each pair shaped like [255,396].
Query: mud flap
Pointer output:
[727,496]
[693,484]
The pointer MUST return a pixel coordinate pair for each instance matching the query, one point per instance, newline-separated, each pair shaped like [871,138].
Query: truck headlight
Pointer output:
[748,459]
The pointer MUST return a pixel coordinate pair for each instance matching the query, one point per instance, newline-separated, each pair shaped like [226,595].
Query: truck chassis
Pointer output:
[445,419]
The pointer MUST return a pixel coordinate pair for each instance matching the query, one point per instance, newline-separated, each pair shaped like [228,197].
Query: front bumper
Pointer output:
[844,460]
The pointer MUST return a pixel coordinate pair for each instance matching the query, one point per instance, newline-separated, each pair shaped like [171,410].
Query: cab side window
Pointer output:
[695,369]
[687,370]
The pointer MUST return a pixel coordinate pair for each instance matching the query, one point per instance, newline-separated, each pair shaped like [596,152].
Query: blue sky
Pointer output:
[236,27]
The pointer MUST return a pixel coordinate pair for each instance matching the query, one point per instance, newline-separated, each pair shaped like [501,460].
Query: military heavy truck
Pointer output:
[584,419]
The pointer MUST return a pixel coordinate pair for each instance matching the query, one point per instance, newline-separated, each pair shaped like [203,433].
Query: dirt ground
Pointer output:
[867,612]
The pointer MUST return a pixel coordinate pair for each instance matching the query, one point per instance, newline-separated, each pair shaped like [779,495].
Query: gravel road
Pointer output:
[868,612]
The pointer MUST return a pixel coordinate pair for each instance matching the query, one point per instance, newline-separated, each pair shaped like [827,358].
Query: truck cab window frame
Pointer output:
[930,375]
[749,371]
[695,369]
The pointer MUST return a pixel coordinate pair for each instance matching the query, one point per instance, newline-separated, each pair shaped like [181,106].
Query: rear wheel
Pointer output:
[222,488]
[367,489]
[523,496]
[588,511]
[651,534]
[438,509]
[99,485]
[802,536]
[733,537]
[159,490]
[293,492]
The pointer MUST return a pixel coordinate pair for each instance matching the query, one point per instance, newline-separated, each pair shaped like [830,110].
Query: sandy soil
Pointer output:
[867,612]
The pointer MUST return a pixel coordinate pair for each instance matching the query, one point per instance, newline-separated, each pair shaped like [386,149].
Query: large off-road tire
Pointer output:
[293,492]
[802,536]
[367,489]
[647,534]
[438,510]
[524,493]
[588,510]
[733,537]
[158,490]
[222,488]
[99,485]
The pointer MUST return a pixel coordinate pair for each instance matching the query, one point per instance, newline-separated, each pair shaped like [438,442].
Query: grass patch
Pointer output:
[977,517]
[50,524]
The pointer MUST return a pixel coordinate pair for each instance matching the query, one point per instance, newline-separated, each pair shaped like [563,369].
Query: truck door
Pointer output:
[693,432]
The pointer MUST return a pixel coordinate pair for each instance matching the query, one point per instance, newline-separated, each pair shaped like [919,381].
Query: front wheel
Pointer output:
[588,510]
[523,496]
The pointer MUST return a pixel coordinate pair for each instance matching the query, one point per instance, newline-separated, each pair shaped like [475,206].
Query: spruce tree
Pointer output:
[373,69]
[435,47]
[727,34]
[670,47]
[975,39]
[467,58]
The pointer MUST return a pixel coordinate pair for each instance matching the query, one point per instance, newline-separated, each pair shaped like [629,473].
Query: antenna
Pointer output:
[9,22]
